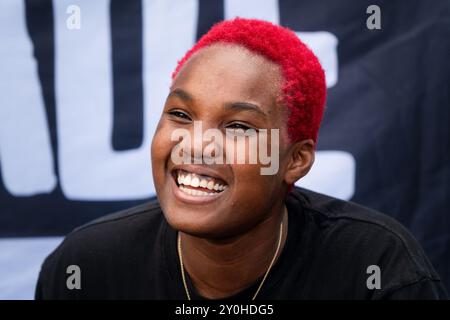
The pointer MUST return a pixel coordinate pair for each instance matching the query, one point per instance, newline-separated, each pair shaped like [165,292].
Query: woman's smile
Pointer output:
[197,187]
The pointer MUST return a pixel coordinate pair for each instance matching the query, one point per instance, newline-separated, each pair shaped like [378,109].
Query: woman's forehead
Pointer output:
[232,72]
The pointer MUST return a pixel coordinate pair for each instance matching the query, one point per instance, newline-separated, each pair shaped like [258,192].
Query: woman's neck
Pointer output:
[219,269]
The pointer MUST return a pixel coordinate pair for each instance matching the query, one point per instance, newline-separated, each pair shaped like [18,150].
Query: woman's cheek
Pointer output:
[161,140]
[248,177]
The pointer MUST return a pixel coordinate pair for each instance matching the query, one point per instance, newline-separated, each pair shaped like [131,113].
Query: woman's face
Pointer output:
[223,87]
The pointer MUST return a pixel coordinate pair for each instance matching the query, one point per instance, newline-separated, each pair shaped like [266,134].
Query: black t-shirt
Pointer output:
[330,245]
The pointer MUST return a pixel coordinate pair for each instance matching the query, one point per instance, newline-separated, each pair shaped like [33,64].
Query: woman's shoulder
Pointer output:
[102,249]
[147,212]
[330,213]
[350,239]
[112,234]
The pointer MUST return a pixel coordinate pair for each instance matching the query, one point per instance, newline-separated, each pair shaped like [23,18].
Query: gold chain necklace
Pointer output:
[183,276]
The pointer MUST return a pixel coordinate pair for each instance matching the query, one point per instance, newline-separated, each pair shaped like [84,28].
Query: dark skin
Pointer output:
[228,243]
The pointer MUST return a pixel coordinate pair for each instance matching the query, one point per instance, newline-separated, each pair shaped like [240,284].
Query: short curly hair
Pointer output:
[303,88]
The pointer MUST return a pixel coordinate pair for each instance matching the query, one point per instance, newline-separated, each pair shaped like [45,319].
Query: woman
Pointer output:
[222,227]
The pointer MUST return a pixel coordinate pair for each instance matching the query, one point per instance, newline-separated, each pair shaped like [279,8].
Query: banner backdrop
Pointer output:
[82,85]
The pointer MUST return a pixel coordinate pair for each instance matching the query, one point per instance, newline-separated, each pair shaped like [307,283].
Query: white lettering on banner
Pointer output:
[333,173]
[322,43]
[89,167]
[253,9]
[25,149]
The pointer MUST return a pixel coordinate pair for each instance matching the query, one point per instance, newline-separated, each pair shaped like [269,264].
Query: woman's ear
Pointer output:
[300,160]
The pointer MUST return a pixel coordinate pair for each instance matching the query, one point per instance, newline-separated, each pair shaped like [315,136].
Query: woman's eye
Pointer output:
[238,126]
[179,114]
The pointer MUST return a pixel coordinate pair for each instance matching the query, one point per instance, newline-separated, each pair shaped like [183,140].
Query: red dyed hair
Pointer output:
[303,88]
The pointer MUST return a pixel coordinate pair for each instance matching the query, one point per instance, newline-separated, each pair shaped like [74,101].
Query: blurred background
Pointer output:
[82,85]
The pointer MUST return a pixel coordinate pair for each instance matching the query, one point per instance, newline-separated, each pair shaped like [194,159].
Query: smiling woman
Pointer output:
[225,230]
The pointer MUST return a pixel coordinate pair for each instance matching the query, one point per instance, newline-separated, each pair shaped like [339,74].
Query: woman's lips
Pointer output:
[195,188]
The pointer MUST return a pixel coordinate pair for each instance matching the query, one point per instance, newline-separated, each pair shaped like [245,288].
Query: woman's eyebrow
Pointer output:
[183,95]
[232,106]
[245,106]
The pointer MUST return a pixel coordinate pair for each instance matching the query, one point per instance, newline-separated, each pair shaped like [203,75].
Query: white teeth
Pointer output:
[203,183]
[196,193]
[195,181]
